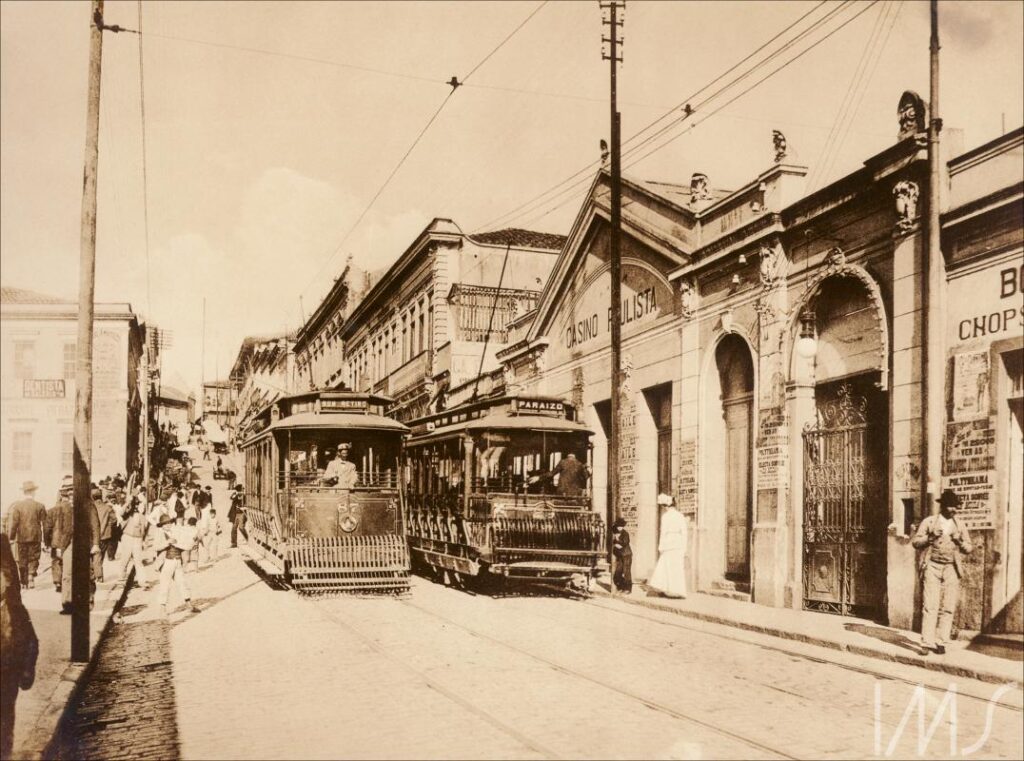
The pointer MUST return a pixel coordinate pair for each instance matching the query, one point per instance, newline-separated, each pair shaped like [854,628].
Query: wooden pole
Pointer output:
[81,540]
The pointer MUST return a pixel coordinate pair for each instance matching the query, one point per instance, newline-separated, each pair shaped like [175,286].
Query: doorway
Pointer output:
[736,380]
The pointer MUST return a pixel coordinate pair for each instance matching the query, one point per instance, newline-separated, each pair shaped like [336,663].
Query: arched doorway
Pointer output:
[736,381]
[845,455]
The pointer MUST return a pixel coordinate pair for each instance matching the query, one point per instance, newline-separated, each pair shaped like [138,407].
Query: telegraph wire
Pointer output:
[454,83]
[501,44]
[705,117]
[145,177]
[845,124]
[587,169]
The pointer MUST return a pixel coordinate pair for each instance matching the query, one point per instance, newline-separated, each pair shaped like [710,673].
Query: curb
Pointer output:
[43,740]
[868,652]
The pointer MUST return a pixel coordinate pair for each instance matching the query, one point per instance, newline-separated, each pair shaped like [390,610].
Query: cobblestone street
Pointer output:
[441,673]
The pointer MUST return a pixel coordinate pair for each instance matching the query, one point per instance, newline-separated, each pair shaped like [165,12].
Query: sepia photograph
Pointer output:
[511,379]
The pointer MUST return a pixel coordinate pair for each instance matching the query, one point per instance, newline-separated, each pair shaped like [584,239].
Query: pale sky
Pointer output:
[258,165]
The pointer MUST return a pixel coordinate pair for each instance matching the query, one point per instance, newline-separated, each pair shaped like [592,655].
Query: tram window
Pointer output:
[375,457]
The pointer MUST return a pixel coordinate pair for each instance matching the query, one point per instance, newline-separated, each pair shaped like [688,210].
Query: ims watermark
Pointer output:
[944,705]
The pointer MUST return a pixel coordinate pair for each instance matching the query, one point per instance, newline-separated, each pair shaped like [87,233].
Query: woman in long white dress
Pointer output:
[669,575]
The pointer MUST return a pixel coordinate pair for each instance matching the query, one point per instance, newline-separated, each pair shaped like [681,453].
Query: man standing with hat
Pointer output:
[944,539]
[25,528]
[340,471]
[56,563]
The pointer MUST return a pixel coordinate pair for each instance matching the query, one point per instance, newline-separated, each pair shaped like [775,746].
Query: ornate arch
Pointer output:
[838,267]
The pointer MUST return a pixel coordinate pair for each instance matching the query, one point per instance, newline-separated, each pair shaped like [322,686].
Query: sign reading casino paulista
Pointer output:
[634,307]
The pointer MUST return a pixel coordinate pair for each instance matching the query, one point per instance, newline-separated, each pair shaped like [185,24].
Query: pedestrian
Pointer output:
[133,532]
[56,563]
[669,575]
[26,527]
[63,535]
[178,538]
[208,530]
[622,576]
[236,515]
[19,646]
[944,539]
[106,521]
[231,477]
[206,452]
[572,476]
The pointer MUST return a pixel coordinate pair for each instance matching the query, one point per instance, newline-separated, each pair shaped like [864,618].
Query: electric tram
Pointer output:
[499,488]
[323,496]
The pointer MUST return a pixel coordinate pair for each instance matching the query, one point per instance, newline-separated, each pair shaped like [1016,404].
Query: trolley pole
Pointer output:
[81,541]
[613,22]
[934,289]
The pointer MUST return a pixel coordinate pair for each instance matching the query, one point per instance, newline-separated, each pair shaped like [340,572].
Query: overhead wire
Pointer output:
[145,174]
[573,191]
[455,84]
[586,170]
[824,169]
[706,116]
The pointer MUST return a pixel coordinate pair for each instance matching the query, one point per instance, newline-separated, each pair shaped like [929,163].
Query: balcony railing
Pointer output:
[472,305]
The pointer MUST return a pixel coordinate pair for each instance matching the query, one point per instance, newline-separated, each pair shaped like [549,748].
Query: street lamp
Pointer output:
[807,343]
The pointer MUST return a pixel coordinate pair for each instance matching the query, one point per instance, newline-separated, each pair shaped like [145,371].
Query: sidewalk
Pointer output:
[39,710]
[853,635]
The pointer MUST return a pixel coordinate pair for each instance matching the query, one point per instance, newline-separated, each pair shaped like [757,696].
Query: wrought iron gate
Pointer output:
[844,508]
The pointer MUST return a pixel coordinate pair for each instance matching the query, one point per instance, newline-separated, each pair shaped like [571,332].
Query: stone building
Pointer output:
[38,338]
[218,402]
[261,373]
[772,359]
[423,325]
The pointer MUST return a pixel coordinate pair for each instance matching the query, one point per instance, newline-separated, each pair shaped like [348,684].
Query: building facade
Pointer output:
[262,372]
[218,402]
[174,407]
[774,372]
[433,320]
[38,337]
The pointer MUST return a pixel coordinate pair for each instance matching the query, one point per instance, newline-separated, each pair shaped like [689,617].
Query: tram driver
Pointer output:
[341,472]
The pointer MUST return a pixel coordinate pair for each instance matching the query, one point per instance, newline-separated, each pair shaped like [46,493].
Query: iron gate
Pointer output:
[844,509]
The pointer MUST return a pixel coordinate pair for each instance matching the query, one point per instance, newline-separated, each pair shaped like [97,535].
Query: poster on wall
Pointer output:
[968,469]
[687,489]
[970,385]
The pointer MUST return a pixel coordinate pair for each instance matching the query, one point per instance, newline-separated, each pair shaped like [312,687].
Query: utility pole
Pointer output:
[81,542]
[202,370]
[145,413]
[935,281]
[613,22]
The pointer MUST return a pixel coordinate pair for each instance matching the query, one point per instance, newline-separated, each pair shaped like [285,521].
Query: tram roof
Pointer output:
[502,422]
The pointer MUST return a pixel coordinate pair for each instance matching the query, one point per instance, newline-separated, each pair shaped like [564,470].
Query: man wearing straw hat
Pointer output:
[25,529]
[944,540]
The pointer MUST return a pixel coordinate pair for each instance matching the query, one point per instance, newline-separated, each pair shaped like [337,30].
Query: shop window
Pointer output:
[21,451]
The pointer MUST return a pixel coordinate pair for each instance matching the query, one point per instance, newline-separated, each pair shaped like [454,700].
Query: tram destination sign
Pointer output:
[344,405]
[551,407]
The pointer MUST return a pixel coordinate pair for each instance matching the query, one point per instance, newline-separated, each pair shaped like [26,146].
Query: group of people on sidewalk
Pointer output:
[943,539]
[669,576]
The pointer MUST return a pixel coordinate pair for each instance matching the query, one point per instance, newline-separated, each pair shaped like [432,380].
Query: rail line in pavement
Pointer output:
[878,673]
[651,704]
[434,684]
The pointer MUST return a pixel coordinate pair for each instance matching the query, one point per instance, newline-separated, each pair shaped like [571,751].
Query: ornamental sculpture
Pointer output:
[687,298]
[699,190]
[910,113]
[906,193]
[773,265]
[779,141]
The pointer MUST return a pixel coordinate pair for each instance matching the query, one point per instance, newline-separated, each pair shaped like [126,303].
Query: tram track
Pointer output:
[569,671]
[877,673]
[434,684]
